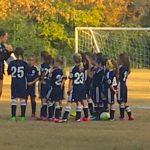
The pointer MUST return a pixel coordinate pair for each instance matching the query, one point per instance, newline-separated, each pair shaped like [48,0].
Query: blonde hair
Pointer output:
[111,64]
[77,58]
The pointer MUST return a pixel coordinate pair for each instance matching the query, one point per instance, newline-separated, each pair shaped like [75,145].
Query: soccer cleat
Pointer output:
[131,118]
[44,119]
[22,118]
[121,119]
[85,119]
[64,120]
[13,119]
[57,120]
[94,118]
[78,120]
[50,119]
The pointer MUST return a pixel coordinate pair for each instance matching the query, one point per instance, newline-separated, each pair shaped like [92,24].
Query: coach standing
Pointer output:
[5,52]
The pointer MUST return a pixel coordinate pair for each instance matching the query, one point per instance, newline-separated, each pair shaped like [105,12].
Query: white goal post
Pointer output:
[113,40]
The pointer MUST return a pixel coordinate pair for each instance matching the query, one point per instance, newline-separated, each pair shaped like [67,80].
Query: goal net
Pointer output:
[113,41]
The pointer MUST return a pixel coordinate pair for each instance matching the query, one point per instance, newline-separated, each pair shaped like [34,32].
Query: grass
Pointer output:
[98,135]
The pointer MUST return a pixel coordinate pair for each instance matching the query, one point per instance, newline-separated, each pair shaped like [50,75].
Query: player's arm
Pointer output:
[9,69]
[6,53]
[36,78]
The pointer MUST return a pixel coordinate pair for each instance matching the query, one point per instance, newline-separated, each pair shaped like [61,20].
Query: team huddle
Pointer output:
[96,83]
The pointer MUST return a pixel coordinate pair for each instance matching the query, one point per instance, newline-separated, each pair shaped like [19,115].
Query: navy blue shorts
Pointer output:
[45,88]
[110,96]
[122,92]
[77,94]
[56,94]
[18,90]
[31,91]
[97,95]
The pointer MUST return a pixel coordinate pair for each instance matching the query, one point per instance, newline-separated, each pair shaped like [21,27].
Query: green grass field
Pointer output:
[98,135]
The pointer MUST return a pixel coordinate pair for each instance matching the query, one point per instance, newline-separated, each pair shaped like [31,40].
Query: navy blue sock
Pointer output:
[13,110]
[91,108]
[86,114]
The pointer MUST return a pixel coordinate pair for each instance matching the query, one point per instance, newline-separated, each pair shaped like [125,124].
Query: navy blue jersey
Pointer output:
[123,73]
[46,69]
[18,70]
[57,77]
[77,75]
[98,77]
[111,78]
[32,73]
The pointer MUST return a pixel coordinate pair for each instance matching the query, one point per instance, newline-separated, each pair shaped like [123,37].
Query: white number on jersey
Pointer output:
[114,83]
[79,78]
[59,79]
[17,72]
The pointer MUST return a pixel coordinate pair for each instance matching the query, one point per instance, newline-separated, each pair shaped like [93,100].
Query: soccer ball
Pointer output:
[104,116]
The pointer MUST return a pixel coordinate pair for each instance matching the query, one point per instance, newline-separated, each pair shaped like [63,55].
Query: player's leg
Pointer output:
[23,108]
[57,111]
[60,104]
[127,107]
[85,110]
[44,109]
[13,109]
[112,111]
[78,111]
[33,101]
[91,106]
[33,106]
[51,109]
[66,112]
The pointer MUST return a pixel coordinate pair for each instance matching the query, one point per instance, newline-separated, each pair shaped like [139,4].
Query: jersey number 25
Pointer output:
[17,72]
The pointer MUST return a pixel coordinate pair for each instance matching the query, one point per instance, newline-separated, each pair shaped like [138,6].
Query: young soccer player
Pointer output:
[45,84]
[57,83]
[32,78]
[111,85]
[88,81]
[77,92]
[97,85]
[124,71]
[18,70]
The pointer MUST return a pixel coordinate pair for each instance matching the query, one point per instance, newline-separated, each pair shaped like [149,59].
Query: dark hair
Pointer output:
[125,61]
[19,52]
[44,54]
[2,32]
[102,57]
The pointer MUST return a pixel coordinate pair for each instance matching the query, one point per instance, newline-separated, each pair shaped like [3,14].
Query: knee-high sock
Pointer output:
[122,108]
[67,111]
[78,112]
[86,113]
[13,107]
[51,108]
[23,107]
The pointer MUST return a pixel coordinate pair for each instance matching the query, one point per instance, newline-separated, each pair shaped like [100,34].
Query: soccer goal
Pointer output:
[112,41]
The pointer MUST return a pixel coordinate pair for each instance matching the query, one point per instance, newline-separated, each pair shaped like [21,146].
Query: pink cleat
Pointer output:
[44,119]
[57,120]
[85,119]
